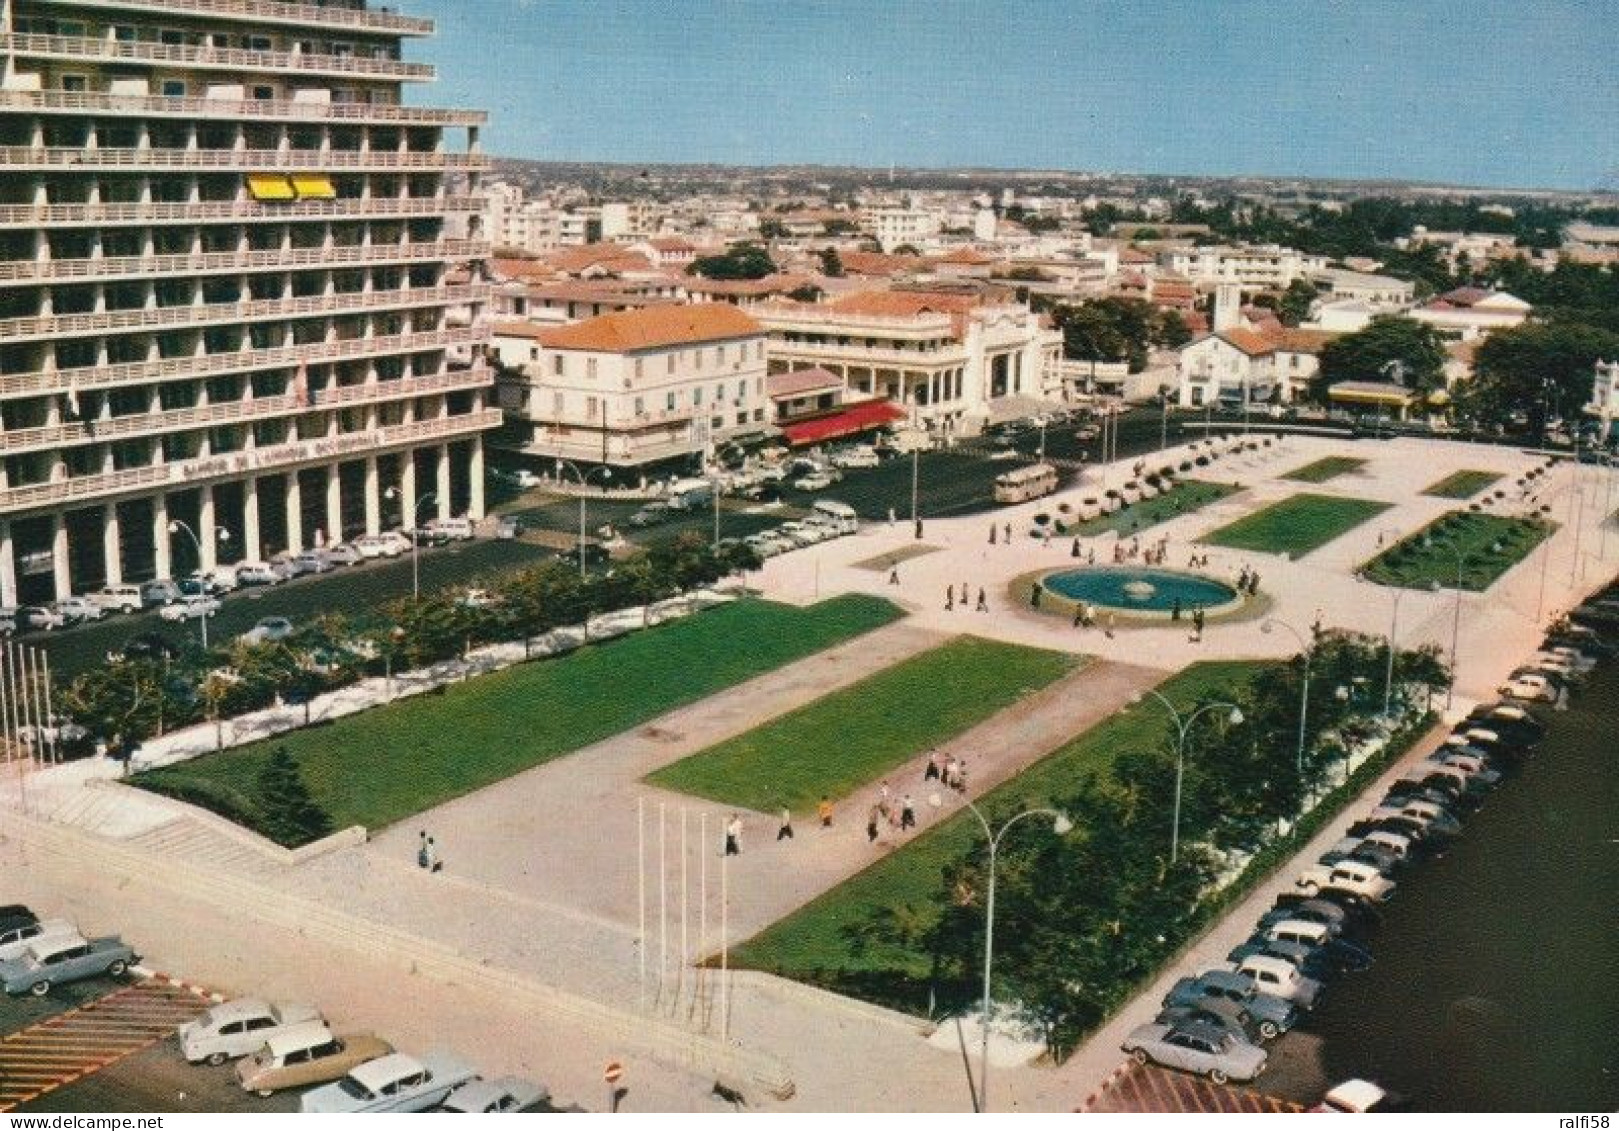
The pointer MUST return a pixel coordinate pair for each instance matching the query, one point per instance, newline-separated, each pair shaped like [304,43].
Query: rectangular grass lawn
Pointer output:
[1411,565]
[1324,469]
[1461,484]
[841,742]
[382,765]
[1183,498]
[815,944]
[1297,525]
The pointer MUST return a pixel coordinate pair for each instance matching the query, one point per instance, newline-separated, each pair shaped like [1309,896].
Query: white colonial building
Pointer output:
[1471,312]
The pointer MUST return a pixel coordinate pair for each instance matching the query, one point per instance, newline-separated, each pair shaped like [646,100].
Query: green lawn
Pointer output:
[1324,469]
[1461,484]
[383,765]
[1296,525]
[1489,544]
[814,944]
[839,743]
[1183,498]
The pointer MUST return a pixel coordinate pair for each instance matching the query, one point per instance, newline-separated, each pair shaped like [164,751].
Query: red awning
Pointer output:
[848,421]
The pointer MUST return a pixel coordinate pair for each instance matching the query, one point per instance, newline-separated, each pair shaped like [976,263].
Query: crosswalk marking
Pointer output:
[64,1048]
[1148,1088]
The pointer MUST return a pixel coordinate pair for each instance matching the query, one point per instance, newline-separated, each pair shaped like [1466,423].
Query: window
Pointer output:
[697,396]
[590,407]
[741,418]
[719,355]
[716,422]
[697,358]
[671,363]
[759,351]
[264,94]
[257,43]
[174,88]
[669,401]
[534,353]
[638,367]
[590,368]
[640,406]
[76,83]
[558,404]
[556,365]
[124,33]
[719,392]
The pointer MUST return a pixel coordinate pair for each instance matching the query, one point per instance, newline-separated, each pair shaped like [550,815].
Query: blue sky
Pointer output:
[1493,92]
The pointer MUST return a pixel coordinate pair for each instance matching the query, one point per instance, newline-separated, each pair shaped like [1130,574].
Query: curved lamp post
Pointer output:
[1456,619]
[176,526]
[1060,824]
[1183,729]
[584,484]
[1308,647]
[415,542]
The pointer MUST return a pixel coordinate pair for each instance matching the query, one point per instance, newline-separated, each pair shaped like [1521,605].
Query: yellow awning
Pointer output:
[312,186]
[1369,397]
[269,186]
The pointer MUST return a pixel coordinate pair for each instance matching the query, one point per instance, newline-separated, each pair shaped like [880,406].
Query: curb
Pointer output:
[1113,1078]
[151,975]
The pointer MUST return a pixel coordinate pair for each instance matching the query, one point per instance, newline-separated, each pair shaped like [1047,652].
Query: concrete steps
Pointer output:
[182,838]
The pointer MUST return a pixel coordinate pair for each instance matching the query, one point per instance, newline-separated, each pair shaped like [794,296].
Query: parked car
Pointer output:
[650,515]
[1530,687]
[237,1028]
[1215,1011]
[370,546]
[17,937]
[268,630]
[1274,1015]
[344,554]
[118,598]
[39,618]
[306,1054]
[191,607]
[312,561]
[396,543]
[50,962]
[452,529]
[1339,953]
[395,1082]
[1206,1050]
[855,457]
[162,591]
[508,528]
[220,579]
[258,573]
[77,610]
[814,481]
[507,1094]
[1359,1097]
[1351,875]
[1280,978]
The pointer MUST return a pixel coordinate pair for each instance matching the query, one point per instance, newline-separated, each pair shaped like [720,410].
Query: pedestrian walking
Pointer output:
[907,813]
[961,776]
[890,517]
[733,836]
[931,773]
[983,600]
[893,574]
[1090,559]
[434,864]
[1074,553]
[1034,596]
[1108,631]
[1079,615]
[824,811]
[951,768]
[422,859]
[992,532]
[871,826]
[949,597]
[1253,583]
[786,830]
[1008,532]
[1045,535]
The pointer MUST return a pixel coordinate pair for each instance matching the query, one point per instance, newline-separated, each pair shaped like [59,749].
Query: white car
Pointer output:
[15,941]
[220,579]
[395,1082]
[258,573]
[1529,687]
[77,610]
[371,546]
[1351,875]
[236,1028]
[119,598]
[190,608]
[814,481]
[345,553]
[856,457]
[394,543]
[1280,978]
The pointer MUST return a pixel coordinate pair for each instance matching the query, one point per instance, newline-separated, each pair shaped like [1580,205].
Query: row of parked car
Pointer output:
[1217,1023]
[276,1046]
[198,595]
[827,519]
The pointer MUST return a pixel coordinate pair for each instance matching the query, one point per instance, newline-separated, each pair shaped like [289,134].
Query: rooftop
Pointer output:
[628,331]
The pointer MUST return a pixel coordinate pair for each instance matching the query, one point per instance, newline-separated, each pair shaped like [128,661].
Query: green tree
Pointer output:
[743,261]
[1294,306]
[1366,355]
[1539,370]
[1108,329]
[831,263]
[289,814]
[1170,330]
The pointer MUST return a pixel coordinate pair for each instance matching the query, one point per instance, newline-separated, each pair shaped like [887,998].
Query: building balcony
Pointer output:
[237,361]
[232,160]
[50,327]
[229,109]
[14,441]
[269,12]
[229,59]
[34,216]
[30,272]
[863,356]
[86,489]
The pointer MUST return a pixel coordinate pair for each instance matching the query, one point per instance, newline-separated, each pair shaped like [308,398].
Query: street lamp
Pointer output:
[175,526]
[584,485]
[1304,701]
[415,542]
[1388,675]
[1456,620]
[916,474]
[1183,728]
[1060,824]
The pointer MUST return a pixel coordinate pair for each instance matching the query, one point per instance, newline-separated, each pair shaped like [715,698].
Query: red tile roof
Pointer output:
[1248,341]
[630,330]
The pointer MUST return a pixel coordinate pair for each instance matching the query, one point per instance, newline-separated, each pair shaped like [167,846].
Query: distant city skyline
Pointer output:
[1495,94]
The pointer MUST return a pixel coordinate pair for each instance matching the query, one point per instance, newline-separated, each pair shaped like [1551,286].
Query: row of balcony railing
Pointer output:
[237,361]
[15,441]
[182,473]
[277,11]
[33,271]
[198,315]
[96,158]
[209,58]
[229,211]
[214,109]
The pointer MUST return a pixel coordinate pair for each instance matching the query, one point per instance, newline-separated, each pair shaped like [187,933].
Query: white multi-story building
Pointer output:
[946,359]
[225,287]
[639,386]
[1380,292]
[1604,404]
[1266,267]
[894,225]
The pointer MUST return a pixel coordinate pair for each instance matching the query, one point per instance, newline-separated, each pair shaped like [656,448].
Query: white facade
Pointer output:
[894,225]
[1499,311]
[1381,292]
[1266,267]
[1604,403]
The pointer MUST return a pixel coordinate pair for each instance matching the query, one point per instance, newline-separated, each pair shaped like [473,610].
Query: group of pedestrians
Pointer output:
[427,858]
[950,598]
[896,814]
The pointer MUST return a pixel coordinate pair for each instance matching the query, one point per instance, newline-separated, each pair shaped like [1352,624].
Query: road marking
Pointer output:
[69,1046]
[1148,1088]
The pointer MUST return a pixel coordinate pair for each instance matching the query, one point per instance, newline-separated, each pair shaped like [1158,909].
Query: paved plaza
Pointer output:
[541,882]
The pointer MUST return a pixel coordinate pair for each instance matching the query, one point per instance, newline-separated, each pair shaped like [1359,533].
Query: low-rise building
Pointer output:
[1604,404]
[1382,293]
[1471,312]
[636,387]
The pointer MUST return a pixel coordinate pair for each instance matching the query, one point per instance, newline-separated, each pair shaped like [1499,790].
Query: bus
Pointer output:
[1025,483]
